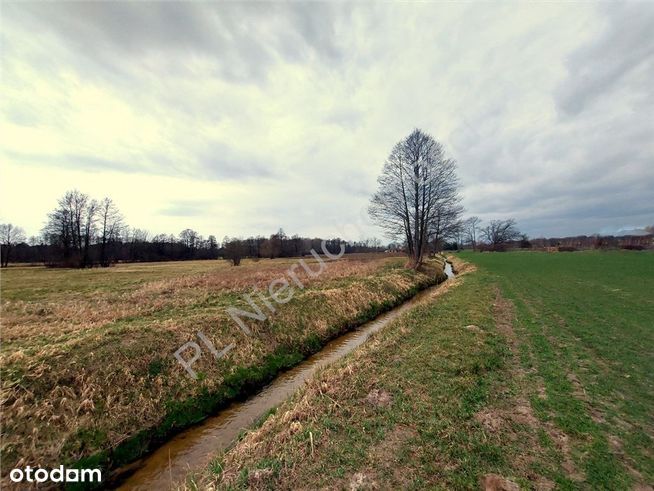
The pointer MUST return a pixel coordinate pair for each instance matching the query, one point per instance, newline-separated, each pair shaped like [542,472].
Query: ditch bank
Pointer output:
[129,456]
[194,447]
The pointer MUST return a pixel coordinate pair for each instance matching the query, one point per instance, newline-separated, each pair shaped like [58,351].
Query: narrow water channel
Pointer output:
[192,449]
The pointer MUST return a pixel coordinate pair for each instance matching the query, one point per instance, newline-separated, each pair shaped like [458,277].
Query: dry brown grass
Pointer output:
[101,368]
[82,312]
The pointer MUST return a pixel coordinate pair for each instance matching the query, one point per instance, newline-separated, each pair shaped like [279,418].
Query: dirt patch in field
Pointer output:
[490,419]
[493,482]
[379,398]
[387,449]
[523,414]
[504,313]
[260,479]
[562,442]
[384,455]
[496,420]
[578,390]
[361,481]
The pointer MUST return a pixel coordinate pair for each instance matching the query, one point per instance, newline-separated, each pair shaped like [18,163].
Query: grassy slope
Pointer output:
[87,355]
[536,368]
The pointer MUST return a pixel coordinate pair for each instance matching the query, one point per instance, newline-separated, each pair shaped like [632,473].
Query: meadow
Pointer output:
[531,370]
[88,373]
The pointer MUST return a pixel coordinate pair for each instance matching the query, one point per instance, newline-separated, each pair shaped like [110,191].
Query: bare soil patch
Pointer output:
[379,398]
[493,482]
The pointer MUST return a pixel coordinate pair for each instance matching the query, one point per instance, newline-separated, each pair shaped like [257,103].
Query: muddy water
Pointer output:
[193,448]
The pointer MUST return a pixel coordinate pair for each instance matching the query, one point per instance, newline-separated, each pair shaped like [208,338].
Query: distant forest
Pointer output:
[137,247]
[82,232]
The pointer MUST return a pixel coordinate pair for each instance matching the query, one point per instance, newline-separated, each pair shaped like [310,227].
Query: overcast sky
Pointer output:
[241,118]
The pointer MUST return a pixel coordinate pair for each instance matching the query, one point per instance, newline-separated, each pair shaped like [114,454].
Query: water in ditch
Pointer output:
[193,448]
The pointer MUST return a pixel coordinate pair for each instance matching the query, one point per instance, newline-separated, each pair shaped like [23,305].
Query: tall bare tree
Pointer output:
[472,230]
[89,230]
[417,199]
[10,235]
[111,224]
[71,226]
[499,232]
[191,239]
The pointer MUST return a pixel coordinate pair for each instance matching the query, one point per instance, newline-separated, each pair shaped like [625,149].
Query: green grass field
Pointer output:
[586,321]
[535,368]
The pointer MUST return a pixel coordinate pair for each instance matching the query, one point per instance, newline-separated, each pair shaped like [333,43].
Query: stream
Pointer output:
[193,448]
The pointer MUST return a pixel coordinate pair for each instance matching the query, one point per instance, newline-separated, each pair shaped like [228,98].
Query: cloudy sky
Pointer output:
[236,118]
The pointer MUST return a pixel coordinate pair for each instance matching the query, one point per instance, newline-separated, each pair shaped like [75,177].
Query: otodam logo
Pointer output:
[58,474]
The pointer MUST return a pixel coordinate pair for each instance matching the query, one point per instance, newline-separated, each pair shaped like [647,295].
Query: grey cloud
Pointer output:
[215,161]
[598,67]
[88,163]
[355,183]
[219,161]
[242,40]
[22,115]
[315,23]
[346,117]
[110,35]
[563,177]
[609,194]
[93,163]
[186,208]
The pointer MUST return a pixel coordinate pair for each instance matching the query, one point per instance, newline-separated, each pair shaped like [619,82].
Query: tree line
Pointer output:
[82,232]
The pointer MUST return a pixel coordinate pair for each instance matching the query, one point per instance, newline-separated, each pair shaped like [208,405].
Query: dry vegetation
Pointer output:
[88,371]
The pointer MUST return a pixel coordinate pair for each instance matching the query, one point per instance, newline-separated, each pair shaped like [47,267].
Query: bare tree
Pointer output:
[71,226]
[10,235]
[140,235]
[89,230]
[499,232]
[191,240]
[277,243]
[446,224]
[234,250]
[111,224]
[212,245]
[417,199]
[137,239]
[471,230]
